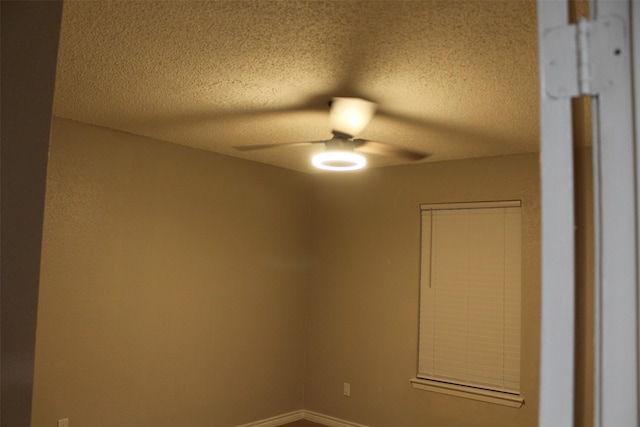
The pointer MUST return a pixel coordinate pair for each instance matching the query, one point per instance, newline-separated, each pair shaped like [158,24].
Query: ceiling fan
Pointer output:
[348,117]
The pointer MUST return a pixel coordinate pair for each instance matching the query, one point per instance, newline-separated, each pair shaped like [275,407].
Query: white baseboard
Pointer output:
[290,417]
[328,420]
[278,420]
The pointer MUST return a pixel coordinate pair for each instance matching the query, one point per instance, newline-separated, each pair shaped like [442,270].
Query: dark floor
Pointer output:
[303,423]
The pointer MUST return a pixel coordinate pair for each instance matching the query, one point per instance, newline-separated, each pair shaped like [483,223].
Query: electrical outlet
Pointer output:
[346,389]
[64,422]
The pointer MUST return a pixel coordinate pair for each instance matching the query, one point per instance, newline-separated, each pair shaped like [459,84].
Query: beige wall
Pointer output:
[363,300]
[173,285]
[181,287]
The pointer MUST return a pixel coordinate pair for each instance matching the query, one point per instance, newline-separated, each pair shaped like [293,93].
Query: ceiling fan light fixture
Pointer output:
[339,161]
[351,115]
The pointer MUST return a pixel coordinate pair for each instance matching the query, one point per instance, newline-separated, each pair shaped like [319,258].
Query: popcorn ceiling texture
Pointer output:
[455,79]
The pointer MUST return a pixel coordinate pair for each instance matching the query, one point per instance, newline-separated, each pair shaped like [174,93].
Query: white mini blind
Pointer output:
[470,295]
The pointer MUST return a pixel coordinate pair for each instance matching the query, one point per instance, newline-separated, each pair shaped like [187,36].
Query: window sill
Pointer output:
[499,398]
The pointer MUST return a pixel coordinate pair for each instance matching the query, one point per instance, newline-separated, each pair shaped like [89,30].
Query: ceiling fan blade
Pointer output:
[350,116]
[386,149]
[265,146]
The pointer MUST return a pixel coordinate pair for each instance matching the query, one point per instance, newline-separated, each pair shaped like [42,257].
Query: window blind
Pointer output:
[470,295]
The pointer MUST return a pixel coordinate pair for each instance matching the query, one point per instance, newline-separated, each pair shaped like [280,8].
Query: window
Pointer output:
[470,300]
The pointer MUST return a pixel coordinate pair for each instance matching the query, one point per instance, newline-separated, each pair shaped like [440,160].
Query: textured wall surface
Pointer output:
[181,287]
[173,285]
[363,310]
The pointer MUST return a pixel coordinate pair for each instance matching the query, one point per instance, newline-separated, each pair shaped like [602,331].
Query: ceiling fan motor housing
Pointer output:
[339,144]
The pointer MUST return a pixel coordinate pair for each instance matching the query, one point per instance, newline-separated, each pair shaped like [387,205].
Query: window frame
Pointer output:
[506,398]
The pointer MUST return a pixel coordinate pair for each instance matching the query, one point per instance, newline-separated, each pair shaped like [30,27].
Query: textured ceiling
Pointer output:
[454,79]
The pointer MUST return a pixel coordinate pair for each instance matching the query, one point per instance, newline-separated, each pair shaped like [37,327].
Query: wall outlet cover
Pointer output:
[346,389]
